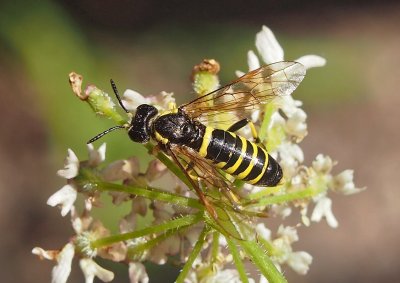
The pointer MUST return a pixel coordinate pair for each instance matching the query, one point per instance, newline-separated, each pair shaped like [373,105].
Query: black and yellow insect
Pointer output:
[190,134]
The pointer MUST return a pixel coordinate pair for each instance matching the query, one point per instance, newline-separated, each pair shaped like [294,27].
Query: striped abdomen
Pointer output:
[240,157]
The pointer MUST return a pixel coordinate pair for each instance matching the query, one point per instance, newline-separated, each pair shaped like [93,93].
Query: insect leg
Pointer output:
[242,123]
[195,186]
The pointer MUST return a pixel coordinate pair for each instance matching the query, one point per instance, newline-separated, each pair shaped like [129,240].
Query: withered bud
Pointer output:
[75,80]
[207,65]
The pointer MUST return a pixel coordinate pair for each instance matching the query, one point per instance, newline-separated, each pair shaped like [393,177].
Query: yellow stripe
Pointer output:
[223,163]
[160,138]
[206,141]
[235,166]
[251,165]
[220,164]
[254,181]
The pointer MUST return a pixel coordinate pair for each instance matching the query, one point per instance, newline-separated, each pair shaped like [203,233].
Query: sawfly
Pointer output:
[191,134]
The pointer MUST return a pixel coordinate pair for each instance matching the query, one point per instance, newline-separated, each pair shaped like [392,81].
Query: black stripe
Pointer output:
[258,166]
[272,175]
[227,148]
[247,157]
[236,152]
[216,143]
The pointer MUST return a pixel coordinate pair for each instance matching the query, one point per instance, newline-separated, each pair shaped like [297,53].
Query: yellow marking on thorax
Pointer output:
[251,165]
[169,111]
[206,141]
[157,135]
[235,166]
[254,181]
[160,138]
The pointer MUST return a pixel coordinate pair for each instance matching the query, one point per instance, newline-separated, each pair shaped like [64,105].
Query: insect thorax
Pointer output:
[177,128]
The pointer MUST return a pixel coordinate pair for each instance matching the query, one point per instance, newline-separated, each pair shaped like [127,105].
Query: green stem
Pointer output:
[215,247]
[238,261]
[260,258]
[132,251]
[150,193]
[193,255]
[172,224]
[288,197]
[269,109]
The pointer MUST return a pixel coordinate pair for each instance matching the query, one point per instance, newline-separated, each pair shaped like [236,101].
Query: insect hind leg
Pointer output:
[241,124]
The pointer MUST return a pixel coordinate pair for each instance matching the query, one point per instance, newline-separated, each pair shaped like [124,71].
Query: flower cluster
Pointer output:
[180,226]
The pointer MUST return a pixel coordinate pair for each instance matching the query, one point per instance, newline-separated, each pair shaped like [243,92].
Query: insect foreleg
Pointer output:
[242,123]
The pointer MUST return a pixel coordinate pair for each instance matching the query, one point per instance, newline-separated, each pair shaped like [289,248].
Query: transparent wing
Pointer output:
[245,94]
[211,185]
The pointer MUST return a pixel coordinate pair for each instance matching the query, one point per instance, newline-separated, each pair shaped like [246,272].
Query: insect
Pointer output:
[191,136]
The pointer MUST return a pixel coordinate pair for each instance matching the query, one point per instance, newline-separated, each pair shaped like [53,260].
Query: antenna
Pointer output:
[105,132]
[114,87]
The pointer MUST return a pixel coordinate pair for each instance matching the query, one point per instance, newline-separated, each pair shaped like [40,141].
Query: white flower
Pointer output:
[61,271]
[121,170]
[291,156]
[343,183]
[168,247]
[288,233]
[96,156]
[65,197]
[132,99]
[263,231]
[271,51]
[71,166]
[268,47]
[322,164]
[91,269]
[137,273]
[300,262]
[43,254]
[281,209]
[323,208]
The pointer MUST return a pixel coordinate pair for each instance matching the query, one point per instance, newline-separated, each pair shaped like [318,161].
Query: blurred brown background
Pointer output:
[352,105]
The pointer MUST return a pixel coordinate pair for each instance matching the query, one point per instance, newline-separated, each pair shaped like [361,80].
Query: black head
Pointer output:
[176,128]
[140,129]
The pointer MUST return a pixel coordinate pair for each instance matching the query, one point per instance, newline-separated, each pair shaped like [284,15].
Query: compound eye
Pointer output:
[186,129]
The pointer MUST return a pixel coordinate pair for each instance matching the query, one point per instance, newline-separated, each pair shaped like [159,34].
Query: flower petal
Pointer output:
[252,60]
[322,164]
[300,262]
[132,99]
[137,273]
[65,197]
[239,73]
[263,231]
[323,208]
[91,269]
[343,182]
[61,271]
[71,166]
[43,254]
[268,47]
[311,61]
[96,156]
